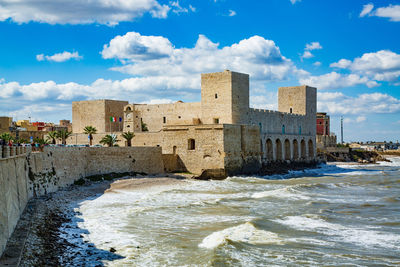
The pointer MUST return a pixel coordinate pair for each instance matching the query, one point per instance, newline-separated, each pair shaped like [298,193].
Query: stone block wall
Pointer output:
[35,174]
[13,195]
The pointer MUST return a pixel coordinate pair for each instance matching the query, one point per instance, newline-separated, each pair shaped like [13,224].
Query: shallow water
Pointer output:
[335,215]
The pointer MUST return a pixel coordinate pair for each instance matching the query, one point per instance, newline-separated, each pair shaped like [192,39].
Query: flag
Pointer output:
[113,119]
[120,119]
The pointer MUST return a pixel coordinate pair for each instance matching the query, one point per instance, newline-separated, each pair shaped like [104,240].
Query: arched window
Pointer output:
[283,129]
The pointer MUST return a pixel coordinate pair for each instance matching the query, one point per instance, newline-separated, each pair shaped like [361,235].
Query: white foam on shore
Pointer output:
[246,233]
[281,193]
[337,232]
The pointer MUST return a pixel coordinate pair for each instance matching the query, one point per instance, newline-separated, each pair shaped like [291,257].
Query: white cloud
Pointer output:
[313,46]
[383,65]
[60,57]
[392,12]
[307,54]
[361,118]
[80,12]
[340,104]
[309,47]
[177,8]
[366,10]
[232,13]
[317,63]
[156,56]
[334,80]
[158,101]
[294,1]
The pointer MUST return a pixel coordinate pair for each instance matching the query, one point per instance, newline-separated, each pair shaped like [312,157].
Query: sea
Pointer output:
[335,215]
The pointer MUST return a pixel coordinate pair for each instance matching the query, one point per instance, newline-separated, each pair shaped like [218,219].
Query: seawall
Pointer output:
[35,174]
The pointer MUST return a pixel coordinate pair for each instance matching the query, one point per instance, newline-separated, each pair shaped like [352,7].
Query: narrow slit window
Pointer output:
[216,96]
[291,110]
[191,144]
[216,120]
[164,119]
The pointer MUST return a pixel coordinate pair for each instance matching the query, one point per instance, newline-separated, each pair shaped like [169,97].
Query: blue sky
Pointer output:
[153,51]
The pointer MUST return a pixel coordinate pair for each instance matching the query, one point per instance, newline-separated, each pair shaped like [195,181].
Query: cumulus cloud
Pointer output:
[59,57]
[313,46]
[156,56]
[361,105]
[80,12]
[334,80]
[383,65]
[307,54]
[366,10]
[309,47]
[392,12]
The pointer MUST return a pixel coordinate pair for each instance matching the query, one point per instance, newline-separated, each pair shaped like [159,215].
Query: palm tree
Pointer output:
[63,135]
[109,140]
[128,136]
[90,130]
[6,137]
[52,136]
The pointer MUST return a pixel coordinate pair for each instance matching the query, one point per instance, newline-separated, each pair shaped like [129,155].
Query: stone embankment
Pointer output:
[351,155]
[25,174]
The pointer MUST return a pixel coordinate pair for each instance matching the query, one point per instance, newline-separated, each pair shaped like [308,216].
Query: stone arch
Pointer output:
[295,149]
[303,149]
[270,150]
[278,144]
[287,149]
[310,149]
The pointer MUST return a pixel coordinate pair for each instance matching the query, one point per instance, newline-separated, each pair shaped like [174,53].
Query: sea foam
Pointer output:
[246,233]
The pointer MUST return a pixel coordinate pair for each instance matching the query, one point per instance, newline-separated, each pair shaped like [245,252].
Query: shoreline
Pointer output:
[44,235]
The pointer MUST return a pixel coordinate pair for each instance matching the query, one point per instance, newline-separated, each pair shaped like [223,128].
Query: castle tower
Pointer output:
[298,100]
[132,119]
[224,97]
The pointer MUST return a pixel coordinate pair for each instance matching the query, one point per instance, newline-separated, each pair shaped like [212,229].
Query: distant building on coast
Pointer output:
[220,134]
[324,137]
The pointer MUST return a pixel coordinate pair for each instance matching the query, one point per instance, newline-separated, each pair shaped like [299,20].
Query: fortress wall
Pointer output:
[272,122]
[35,174]
[208,152]
[124,159]
[176,114]
[13,195]
[242,149]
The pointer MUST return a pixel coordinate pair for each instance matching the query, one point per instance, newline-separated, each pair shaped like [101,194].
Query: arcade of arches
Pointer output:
[277,149]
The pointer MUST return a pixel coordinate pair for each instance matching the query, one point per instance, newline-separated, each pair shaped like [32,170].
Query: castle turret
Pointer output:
[224,97]
[132,119]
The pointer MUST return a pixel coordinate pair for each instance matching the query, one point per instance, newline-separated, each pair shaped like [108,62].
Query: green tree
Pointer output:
[90,131]
[40,141]
[128,136]
[52,136]
[6,137]
[144,127]
[110,140]
[63,135]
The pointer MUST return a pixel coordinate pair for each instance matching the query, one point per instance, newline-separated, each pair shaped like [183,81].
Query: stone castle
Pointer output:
[219,136]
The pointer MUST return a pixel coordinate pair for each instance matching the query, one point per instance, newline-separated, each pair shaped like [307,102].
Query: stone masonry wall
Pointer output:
[35,174]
